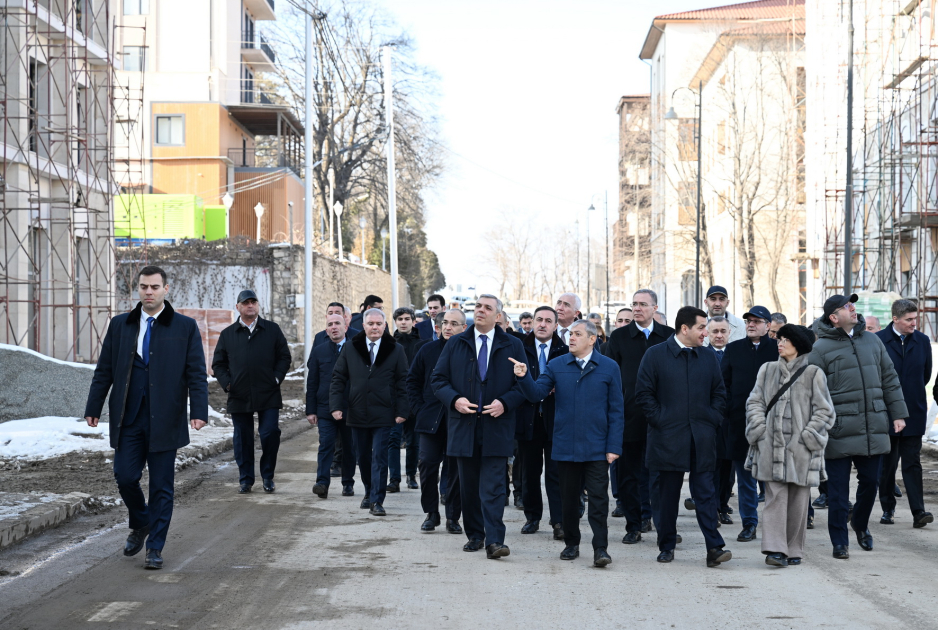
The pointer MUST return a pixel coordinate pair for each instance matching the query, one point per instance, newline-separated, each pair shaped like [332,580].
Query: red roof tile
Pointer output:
[744,11]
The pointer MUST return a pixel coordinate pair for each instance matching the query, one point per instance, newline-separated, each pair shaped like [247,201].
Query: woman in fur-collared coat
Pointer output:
[787,442]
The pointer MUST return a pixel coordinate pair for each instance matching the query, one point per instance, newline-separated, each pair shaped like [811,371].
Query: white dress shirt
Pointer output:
[143,329]
[368,343]
[586,359]
[564,333]
[650,329]
[491,337]
[249,327]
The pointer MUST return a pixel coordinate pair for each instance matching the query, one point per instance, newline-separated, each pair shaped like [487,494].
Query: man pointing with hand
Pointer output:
[475,382]
[588,425]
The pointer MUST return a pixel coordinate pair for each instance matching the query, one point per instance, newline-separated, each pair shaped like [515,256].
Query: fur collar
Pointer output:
[360,343]
[165,318]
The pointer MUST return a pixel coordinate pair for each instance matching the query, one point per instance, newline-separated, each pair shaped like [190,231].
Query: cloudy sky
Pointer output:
[528,97]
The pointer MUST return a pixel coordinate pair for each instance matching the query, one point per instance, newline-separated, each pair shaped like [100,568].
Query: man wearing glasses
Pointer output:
[626,346]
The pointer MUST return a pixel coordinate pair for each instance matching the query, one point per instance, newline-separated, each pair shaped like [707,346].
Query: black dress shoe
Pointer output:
[442,498]
[135,540]
[748,534]
[896,491]
[887,518]
[377,510]
[849,512]
[245,488]
[646,526]
[530,527]
[631,538]
[725,518]
[394,486]
[761,498]
[348,491]
[810,522]
[922,519]
[412,482]
[366,503]
[431,522]
[718,555]
[618,512]
[558,531]
[321,490]
[690,504]
[820,503]
[507,500]
[776,560]
[728,510]
[453,527]
[840,552]
[154,559]
[336,470]
[865,538]
[571,552]
[496,551]
[582,504]
[677,539]
[666,556]
[269,486]
[794,561]
[473,545]
[601,558]
[519,504]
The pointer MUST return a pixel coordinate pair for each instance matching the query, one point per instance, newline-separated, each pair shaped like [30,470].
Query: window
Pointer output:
[687,203]
[134,58]
[136,7]
[721,138]
[170,130]
[687,140]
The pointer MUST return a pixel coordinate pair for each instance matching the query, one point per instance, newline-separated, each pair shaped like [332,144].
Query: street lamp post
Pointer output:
[337,208]
[384,251]
[361,224]
[259,212]
[672,115]
[589,277]
[606,258]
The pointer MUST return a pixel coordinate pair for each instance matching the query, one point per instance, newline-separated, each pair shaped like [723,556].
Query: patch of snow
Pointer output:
[51,436]
[6,346]
[293,402]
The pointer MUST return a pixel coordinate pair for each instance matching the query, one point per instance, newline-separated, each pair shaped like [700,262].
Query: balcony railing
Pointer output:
[251,95]
[258,42]
[270,157]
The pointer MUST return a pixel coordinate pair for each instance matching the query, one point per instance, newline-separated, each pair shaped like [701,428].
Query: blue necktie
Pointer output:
[647,332]
[146,341]
[484,357]
[581,363]
[542,359]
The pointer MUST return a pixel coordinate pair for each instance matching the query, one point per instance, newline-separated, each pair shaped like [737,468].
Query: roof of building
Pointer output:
[761,10]
[261,120]
[751,32]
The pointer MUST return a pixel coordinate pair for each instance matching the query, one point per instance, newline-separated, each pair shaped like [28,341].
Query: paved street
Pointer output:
[290,560]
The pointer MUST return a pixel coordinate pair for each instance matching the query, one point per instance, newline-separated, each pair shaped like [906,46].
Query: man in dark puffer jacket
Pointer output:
[866,393]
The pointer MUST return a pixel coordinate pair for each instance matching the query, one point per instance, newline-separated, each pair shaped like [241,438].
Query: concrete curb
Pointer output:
[42,517]
[931,449]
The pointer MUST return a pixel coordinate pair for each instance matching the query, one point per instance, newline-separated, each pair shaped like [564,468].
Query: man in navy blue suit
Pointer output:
[426,329]
[336,308]
[475,381]
[151,361]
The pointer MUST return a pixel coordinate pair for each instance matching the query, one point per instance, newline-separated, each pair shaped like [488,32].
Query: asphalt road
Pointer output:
[291,560]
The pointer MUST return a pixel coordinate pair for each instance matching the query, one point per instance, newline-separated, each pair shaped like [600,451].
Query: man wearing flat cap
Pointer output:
[250,362]
[741,362]
[867,396]
[717,303]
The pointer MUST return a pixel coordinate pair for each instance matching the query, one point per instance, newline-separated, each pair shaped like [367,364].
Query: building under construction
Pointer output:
[894,156]
[57,120]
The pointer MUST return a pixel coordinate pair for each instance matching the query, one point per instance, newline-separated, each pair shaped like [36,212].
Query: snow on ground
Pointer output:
[6,346]
[51,436]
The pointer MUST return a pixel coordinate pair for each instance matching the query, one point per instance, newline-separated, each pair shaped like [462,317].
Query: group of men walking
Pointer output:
[649,405]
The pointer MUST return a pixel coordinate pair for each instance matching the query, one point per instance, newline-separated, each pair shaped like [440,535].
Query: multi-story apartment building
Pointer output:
[631,248]
[204,111]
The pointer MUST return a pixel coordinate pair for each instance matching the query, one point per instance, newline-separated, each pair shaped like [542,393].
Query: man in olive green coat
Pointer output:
[867,396]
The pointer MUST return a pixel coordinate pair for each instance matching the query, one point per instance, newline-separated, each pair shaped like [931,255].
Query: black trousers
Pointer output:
[726,475]
[596,478]
[432,456]
[535,458]
[630,471]
[909,450]
[838,494]
[702,489]
[514,474]
[482,486]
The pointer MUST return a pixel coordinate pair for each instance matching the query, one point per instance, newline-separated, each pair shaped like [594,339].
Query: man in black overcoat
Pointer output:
[536,429]
[740,365]
[251,359]
[151,362]
[680,389]
[627,346]
[431,426]
[475,381]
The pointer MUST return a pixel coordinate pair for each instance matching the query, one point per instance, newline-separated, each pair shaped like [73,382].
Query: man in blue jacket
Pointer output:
[680,389]
[151,362]
[321,363]
[427,328]
[476,384]
[432,427]
[588,425]
[910,352]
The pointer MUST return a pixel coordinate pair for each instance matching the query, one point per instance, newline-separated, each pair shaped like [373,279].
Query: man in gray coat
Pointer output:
[866,393]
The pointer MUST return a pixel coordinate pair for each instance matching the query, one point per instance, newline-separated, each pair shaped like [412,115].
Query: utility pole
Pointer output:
[606,307]
[699,148]
[392,201]
[848,196]
[308,199]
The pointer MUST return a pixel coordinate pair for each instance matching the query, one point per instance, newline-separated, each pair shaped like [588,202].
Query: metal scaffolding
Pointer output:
[59,104]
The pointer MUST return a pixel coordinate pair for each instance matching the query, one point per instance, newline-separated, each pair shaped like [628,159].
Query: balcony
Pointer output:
[268,157]
[257,52]
[253,96]
[261,9]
